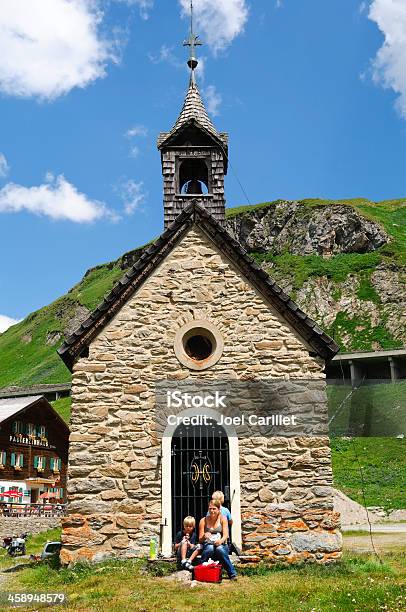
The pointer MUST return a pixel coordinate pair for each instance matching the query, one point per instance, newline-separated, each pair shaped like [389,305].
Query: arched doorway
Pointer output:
[168,522]
[200,464]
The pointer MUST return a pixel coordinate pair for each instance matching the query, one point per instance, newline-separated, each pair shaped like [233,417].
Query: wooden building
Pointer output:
[33,450]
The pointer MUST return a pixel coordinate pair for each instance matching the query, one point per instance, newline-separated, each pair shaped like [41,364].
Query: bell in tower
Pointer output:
[194,154]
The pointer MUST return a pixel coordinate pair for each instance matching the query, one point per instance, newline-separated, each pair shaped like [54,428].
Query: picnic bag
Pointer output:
[208,573]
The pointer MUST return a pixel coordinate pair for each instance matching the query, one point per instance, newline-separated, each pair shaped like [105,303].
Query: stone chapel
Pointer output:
[194,307]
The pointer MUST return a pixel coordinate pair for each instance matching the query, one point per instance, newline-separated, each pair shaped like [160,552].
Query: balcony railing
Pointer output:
[33,510]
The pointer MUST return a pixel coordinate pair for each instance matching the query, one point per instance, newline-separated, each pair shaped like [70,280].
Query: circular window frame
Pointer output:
[201,328]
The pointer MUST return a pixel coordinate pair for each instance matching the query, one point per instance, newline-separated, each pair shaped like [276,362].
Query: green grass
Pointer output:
[240,210]
[34,545]
[359,582]
[366,291]
[299,268]
[96,284]
[63,407]
[383,464]
[357,333]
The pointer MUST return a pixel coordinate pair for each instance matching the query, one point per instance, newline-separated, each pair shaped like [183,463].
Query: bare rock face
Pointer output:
[81,313]
[304,230]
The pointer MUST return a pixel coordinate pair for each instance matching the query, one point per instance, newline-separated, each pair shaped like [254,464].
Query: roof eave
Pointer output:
[220,140]
[73,347]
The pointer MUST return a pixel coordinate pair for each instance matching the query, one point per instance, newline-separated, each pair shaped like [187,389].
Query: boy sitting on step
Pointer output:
[186,546]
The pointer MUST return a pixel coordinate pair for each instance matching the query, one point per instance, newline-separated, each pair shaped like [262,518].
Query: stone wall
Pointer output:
[286,500]
[115,455]
[10,526]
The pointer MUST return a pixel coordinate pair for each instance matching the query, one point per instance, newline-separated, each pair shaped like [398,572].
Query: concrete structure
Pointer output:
[50,392]
[368,365]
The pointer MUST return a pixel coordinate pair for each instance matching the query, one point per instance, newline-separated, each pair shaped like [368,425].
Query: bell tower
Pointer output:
[194,154]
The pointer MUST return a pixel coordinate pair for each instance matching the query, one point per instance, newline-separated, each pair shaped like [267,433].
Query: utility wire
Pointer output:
[236,175]
[360,469]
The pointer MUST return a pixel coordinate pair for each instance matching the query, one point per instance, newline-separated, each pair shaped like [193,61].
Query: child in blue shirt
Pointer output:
[219,496]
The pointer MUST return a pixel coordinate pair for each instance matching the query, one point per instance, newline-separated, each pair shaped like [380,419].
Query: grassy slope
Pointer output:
[62,407]
[375,465]
[26,358]
[359,582]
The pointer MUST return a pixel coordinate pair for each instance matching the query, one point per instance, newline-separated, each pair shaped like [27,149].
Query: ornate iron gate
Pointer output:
[200,465]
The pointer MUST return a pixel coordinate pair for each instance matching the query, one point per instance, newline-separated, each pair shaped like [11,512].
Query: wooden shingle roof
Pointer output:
[193,112]
[195,214]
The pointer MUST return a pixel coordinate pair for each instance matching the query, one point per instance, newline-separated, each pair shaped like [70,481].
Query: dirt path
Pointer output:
[384,541]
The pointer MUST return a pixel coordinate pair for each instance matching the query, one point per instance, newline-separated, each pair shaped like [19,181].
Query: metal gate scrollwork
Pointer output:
[200,465]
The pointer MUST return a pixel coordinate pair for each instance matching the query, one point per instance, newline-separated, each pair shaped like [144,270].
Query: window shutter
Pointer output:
[59,464]
[13,459]
[37,430]
[21,460]
[61,493]
[44,462]
[14,427]
[36,461]
[1,492]
[51,463]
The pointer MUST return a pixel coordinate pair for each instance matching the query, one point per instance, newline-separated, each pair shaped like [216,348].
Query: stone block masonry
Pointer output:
[115,463]
[10,526]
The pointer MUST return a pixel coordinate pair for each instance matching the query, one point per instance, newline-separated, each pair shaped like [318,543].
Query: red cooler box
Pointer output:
[208,573]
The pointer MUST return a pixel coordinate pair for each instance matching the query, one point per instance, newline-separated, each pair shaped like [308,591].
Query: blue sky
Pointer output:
[313,94]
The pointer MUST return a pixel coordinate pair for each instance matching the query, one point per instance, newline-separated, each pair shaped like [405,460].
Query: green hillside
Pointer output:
[28,350]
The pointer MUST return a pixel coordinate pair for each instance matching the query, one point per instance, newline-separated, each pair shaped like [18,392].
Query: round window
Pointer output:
[198,345]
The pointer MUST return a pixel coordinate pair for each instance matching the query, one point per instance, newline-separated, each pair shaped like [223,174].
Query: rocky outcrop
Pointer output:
[306,229]
[325,300]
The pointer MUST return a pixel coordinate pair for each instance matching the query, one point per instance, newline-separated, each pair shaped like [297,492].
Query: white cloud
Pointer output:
[213,99]
[219,22]
[134,151]
[389,64]
[137,130]
[144,5]
[4,167]
[132,194]
[56,198]
[363,7]
[48,47]
[6,322]
[167,55]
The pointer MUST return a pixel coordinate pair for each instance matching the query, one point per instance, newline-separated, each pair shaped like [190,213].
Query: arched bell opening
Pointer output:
[194,177]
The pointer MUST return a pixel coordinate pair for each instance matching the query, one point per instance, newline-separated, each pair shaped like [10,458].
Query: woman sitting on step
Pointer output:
[213,534]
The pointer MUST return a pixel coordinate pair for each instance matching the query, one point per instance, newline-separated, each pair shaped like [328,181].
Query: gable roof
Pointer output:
[193,113]
[193,214]
[11,407]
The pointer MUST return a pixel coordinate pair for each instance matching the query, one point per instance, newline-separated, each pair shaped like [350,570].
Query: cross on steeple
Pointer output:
[193,41]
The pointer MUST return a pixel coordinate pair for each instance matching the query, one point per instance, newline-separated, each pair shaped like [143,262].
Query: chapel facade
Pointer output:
[195,308]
